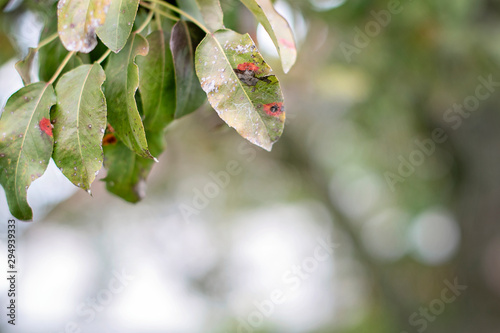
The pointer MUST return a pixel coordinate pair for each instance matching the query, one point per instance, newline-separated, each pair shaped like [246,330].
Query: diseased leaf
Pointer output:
[185,37]
[77,21]
[25,143]
[240,87]
[277,27]
[122,81]
[127,172]
[211,12]
[157,82]
[119,22]
[79,122]
[51,55]
[23,67]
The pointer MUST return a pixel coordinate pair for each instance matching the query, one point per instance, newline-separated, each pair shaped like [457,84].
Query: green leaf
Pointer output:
[191,7]
[77,23]
[185,37]
[240,88]
[207,12]
[25,143]
[51,55]
[23,67]
[157,82]
[119,22]
[8,50]
[79,123]
[277,27]
[127,172]
[212,14]
[122,81]
[3,3]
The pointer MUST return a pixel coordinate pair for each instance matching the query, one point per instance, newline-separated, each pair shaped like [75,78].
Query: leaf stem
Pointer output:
[104,56]
[180,11]
[47,41]
[146,22]
[61,67]
[161,12]
[158,20]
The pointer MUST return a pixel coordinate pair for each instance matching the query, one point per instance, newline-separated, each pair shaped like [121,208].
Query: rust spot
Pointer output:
[248,66]
[247,71]
[46,126]
[274,109]
[109,139]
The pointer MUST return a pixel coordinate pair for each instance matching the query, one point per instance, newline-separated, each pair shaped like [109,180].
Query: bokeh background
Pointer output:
[357,221]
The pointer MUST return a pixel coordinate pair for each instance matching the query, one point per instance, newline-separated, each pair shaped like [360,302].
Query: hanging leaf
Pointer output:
[122,81]
[127,172]
[23,67]
[79,122]
[208,12]
[191,7]
[119,22]
[277,27]
[240,87]
[26,143]
[212,14]
[185,37]
[8,50]
[78,21]
[157,82]
[51,55]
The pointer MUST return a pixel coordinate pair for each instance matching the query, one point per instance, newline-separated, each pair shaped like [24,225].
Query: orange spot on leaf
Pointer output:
[274,109]
[109,139]
[248,66]
[46,126]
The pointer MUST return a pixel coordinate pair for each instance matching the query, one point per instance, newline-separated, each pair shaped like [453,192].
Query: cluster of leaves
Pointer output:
[109,102]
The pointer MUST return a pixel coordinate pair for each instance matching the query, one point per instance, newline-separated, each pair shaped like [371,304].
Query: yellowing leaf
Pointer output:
[78,21]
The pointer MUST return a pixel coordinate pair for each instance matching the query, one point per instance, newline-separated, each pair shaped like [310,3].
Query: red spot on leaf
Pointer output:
[274,109]
[109,139]
[46,126]
[248,66]
[287,43]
